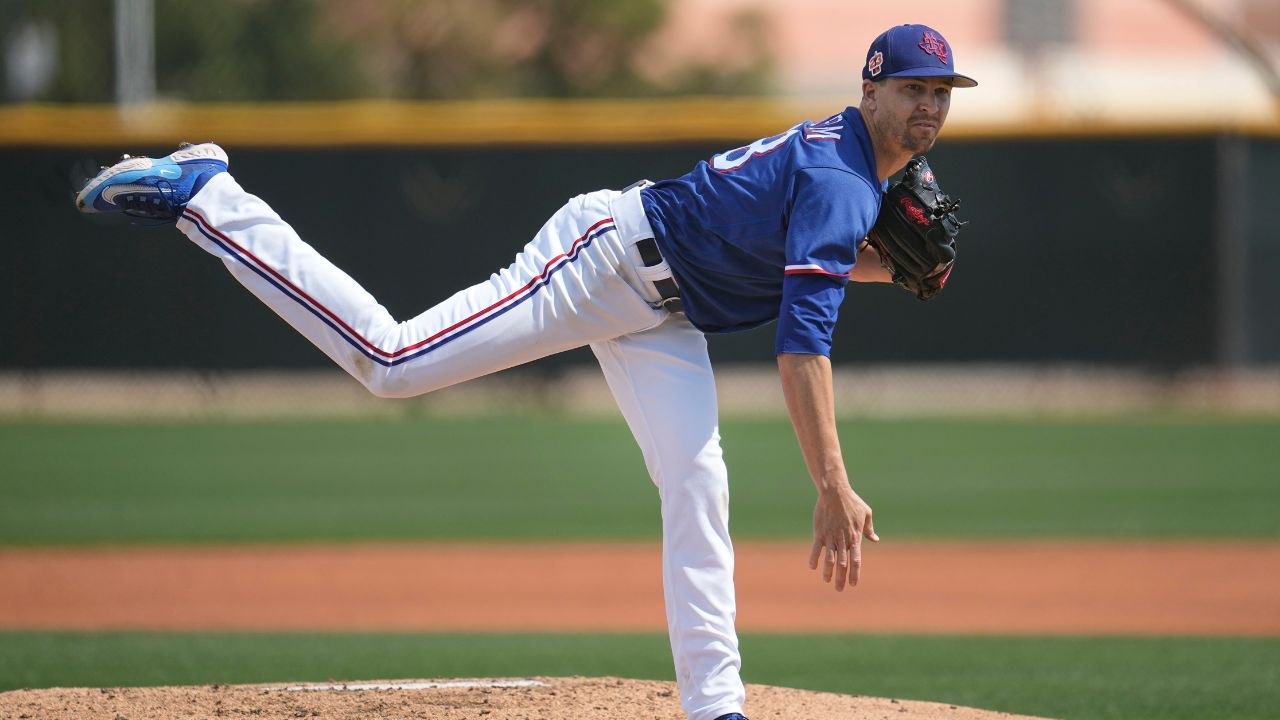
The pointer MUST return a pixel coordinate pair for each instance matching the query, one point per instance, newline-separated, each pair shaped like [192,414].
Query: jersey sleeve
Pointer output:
[831,211]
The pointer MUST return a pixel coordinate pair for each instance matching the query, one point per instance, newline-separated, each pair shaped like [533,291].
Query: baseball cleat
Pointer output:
[732,716]
[153,188]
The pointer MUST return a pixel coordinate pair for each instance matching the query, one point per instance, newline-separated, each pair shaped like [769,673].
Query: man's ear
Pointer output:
[869,90]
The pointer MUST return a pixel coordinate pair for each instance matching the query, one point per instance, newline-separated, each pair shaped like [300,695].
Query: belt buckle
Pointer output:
[672,305]
[634,185]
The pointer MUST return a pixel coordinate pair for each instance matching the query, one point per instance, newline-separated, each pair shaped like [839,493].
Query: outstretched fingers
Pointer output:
[855,566]
[840,563]
[837,540]
[843,574]
[868,531]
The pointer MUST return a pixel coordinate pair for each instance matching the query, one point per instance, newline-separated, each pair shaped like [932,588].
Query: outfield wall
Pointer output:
[744,391]
[1128,247]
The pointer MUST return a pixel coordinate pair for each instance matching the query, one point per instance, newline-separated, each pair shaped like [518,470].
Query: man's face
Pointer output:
[910,111]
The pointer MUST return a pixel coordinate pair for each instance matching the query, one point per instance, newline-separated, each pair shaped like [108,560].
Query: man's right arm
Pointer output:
[840,518]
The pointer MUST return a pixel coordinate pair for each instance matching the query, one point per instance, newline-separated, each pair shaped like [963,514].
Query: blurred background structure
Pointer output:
[1115,163]
[1055,60]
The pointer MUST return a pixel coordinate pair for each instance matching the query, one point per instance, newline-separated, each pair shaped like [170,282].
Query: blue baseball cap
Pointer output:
[912,51]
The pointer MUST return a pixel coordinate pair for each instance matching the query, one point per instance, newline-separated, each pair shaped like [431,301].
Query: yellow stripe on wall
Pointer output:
[498,122]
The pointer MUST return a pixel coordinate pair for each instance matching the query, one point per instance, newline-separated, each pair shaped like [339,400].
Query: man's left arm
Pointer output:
[869,269]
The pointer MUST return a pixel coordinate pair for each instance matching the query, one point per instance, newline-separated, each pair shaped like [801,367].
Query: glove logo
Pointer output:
[916,214]
[933,45]
[915,233]
[875,63]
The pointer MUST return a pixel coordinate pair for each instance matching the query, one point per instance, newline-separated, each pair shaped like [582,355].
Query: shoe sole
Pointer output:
[206,151]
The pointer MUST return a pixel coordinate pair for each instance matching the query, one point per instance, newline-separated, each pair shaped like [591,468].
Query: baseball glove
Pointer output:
[915,233]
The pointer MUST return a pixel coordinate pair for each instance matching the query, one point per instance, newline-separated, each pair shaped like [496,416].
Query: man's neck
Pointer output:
[890,156]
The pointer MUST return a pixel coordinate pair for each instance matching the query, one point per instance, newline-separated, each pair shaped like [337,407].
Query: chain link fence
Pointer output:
[744,391]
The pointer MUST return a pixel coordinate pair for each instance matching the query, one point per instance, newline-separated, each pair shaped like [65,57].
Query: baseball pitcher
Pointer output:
[769,232]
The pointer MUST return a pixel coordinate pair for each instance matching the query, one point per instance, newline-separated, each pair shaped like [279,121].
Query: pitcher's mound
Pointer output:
[485,699]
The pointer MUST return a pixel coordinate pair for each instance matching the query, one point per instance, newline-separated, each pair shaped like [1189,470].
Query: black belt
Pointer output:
[667,288]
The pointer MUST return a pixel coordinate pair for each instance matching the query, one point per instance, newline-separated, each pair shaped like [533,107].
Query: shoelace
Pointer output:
[151,206]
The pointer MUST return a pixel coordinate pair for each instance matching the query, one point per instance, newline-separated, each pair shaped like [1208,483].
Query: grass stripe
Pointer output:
[1168,678]
[549,477]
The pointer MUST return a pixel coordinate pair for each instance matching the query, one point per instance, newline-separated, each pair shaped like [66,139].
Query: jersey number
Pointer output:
[734,159]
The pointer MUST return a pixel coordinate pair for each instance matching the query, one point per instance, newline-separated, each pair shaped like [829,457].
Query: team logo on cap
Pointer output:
[933,45]
[874,63]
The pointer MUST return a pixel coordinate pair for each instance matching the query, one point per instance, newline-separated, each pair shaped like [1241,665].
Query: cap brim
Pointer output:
[963,81]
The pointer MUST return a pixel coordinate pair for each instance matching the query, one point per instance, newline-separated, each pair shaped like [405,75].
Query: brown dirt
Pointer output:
[1188,588]
[1196,588]
[556,699]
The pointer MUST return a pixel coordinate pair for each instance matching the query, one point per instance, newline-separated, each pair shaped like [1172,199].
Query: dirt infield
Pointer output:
[548,699]
[1076,587]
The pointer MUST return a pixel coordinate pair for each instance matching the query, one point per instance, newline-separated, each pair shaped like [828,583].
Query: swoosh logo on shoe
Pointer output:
[172,173]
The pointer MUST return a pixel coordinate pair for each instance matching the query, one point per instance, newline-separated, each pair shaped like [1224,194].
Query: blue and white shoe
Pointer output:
[153,188]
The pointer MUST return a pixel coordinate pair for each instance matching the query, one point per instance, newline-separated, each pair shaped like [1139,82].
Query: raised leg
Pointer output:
[570,286]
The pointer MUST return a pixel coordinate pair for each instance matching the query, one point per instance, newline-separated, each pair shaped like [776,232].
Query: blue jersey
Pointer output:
[770,231]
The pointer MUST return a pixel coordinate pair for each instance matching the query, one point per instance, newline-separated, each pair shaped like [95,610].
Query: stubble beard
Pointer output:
[914,143]
[917,147]
[905,135]
[908,138]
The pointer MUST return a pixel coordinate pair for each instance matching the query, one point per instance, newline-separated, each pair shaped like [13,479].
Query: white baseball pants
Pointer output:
[579,282]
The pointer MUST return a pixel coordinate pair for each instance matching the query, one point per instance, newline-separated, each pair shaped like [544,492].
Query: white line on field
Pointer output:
[351,687]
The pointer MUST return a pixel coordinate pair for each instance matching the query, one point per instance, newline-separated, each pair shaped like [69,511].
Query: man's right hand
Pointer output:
[840,520]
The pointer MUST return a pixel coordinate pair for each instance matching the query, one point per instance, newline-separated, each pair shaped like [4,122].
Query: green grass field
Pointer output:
[549,477]
[1122,678]
[552,477]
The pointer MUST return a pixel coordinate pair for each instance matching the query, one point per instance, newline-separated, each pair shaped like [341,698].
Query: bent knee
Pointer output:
[385,392]
[697,467]
[387,385]
[694,482]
